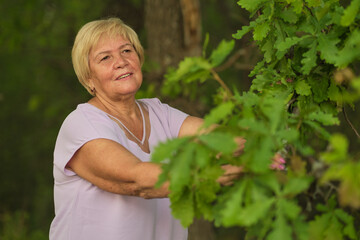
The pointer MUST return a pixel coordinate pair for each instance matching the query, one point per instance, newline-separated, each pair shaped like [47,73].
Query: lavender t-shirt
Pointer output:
[86,212]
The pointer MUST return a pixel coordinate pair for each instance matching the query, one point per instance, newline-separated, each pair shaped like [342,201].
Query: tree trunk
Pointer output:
[173,30]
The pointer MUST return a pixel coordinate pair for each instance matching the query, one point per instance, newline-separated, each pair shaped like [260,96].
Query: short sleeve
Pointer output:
[81,126]
[170,118]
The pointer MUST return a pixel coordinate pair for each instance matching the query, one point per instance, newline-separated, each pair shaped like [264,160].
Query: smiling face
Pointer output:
[115,68]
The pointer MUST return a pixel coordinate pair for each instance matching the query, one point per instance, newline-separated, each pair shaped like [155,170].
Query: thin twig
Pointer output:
[221,82]
[349,122]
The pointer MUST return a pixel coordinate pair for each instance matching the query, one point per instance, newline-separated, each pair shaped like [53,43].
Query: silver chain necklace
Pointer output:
[143,121]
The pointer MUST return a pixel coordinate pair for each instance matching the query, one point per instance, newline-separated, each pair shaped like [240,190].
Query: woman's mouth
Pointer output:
[123,76]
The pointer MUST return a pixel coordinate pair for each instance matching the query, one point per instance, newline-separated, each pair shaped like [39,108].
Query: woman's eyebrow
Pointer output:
[109,51]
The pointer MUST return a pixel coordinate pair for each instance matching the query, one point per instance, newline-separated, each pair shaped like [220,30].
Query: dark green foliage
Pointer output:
[38,88]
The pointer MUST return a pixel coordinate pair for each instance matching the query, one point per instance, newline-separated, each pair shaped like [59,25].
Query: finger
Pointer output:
[231,169]
[278,158]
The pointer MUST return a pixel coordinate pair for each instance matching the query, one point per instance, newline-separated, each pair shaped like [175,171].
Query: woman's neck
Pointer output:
[124,109]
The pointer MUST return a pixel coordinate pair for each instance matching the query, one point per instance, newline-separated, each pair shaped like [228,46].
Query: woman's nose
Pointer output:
[120,62]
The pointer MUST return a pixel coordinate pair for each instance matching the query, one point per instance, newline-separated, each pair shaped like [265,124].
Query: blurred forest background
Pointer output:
[38,87]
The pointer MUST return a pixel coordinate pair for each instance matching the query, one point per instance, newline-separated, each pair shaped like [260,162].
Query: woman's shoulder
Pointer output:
[86,110]
[85,116]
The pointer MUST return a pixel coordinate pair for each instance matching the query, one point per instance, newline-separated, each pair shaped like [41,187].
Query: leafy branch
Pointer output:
[295,95]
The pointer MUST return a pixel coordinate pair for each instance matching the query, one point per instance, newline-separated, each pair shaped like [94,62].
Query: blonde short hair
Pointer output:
[89,35]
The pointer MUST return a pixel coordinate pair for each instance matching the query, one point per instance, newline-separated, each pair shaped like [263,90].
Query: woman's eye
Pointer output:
[104,58]
[127,50]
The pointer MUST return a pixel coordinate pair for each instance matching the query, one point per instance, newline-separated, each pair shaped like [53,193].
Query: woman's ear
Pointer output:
[91,84]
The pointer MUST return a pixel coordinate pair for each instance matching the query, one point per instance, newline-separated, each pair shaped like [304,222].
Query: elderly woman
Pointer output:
[104,182]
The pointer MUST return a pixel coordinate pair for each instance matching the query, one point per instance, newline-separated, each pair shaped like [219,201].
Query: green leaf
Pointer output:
[349,229]
[309,59]
[288,15]
[297,5]
[268,50]
[166,150]
[318,128]
[288,43]
[281,229]
[301,228]
[233,204]
[334,93]
[183,207]
[270,180]
[333,232]
[221,52]
[181,168]
[250,5]
[350,13]
[288,134]
[350,52]
[340,144]
[205,45]
[253,125]
[289,208]
[318,226]
[328,49]
[202,156]
[218,113]
[254,212]
[261,30]
[219,141]
[250,99]
[319,87]
[244,30]
[260,81]
[273,108]
[327,119]
[313,3]
[260,159]
[205,190]
[297,185]
[347,174]
[187,67]
[302,88]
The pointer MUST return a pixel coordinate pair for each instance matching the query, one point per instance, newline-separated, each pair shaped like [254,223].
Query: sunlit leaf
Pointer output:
[281,229]
[218,141]
[309,60]
[260,31]
[254,212]
[183,208]
[297,185]
[250,5]
[303,88]
[350,13]
[180,173]
[218,113]
[166,150]
[221,52]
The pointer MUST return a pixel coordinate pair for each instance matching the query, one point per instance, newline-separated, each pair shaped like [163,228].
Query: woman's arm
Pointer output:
[190,126]
[111,167]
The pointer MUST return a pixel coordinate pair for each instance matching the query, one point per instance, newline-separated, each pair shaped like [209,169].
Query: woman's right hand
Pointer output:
[231,173]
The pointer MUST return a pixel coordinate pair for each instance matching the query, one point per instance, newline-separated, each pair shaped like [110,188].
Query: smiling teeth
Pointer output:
[123,76]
